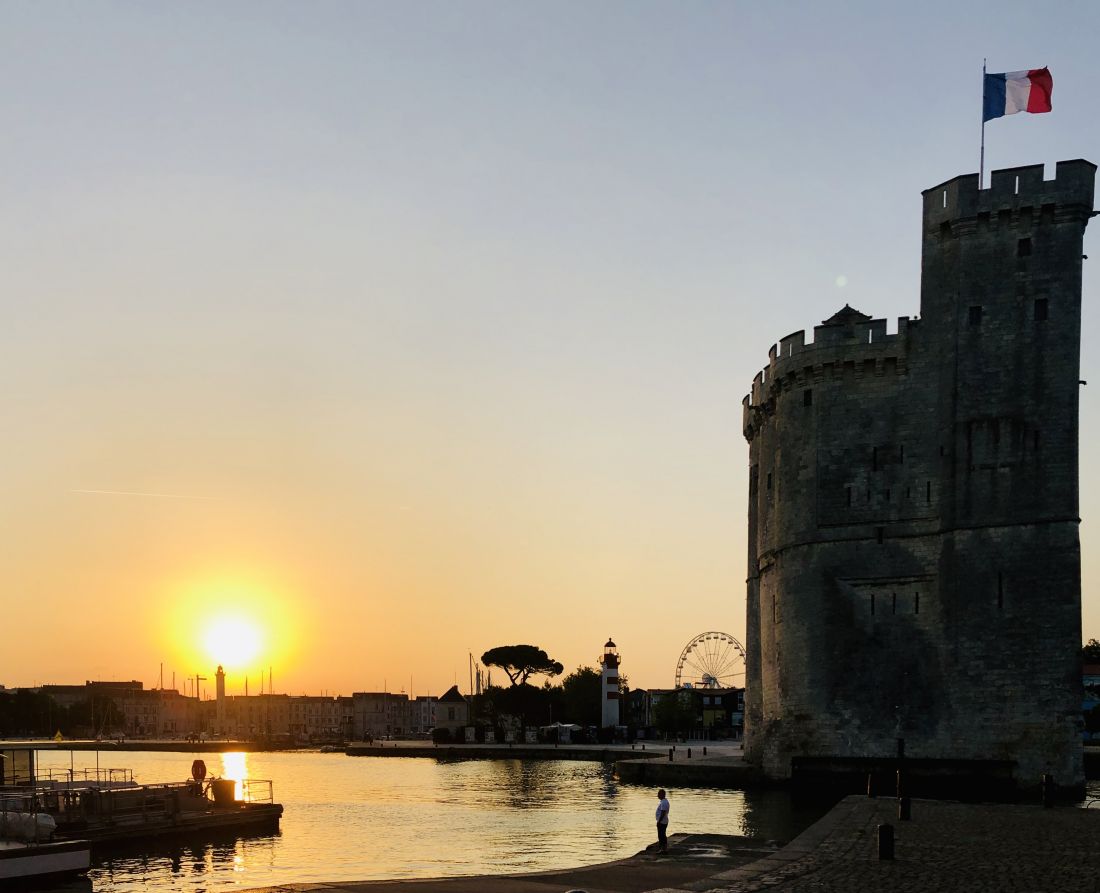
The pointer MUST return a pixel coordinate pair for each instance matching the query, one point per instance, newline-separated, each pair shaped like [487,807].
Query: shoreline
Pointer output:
[946,846]
[693,859]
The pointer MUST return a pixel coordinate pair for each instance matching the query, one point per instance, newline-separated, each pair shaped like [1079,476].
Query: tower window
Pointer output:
[1023,248]
[975,317]
[916,603]
[769,484]
[1040,309]
[808,397]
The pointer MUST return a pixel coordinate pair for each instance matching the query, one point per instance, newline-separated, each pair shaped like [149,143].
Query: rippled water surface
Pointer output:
[355,818]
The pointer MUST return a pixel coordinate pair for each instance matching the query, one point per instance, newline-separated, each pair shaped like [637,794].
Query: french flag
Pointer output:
[1017,91]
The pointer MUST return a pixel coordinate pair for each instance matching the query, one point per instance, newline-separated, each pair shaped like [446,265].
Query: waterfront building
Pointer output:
[914,562]
[452,712]
[714,712]
[423,714]
[128,708]
[380,714]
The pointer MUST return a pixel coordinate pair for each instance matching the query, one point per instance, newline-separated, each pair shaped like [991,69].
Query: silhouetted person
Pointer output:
[662,822]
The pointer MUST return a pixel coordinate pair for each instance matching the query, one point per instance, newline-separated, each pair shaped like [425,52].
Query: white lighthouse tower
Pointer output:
[609,684]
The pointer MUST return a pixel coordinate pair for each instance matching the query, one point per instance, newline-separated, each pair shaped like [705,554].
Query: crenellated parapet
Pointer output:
[1012,189]
[850,343]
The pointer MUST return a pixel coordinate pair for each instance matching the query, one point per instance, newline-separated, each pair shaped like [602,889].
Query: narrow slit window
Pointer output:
[887,494]
[880,533]
[1040,309]
[928,492]
[872,604]
[1023,248]
[894,606]
[975,315]
[808,397]
[769,480]
[916,603]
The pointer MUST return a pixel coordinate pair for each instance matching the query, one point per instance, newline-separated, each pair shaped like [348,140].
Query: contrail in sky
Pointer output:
[133,493]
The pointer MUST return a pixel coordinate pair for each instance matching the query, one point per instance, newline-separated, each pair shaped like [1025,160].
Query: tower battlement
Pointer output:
[1010,188]
[852,344]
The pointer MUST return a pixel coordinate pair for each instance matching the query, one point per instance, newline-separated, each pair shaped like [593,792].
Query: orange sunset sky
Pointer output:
[359,337]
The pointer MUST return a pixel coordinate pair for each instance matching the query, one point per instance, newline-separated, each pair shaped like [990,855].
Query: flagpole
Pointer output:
[981,163]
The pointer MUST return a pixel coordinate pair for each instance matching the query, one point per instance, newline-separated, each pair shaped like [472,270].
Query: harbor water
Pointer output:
[360,818]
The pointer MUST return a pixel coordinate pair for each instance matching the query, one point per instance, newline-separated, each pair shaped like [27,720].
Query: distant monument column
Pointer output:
[609,684]
[219,682]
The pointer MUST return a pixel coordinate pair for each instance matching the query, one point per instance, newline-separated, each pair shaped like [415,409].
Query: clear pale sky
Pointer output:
[424,327]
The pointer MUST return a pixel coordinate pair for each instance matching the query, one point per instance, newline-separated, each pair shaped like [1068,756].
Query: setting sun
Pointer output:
[232,642]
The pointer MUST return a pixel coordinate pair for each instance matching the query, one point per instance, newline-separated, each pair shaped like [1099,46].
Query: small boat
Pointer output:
[28,852]
[22,862]
[112,807]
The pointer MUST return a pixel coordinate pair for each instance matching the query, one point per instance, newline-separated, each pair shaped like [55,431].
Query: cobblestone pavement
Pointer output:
[977,848]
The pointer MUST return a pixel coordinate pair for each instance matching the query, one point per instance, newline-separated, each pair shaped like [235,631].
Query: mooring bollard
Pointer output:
[905,809]
[885,842]
[871,792]
[670,750]
[1048,790]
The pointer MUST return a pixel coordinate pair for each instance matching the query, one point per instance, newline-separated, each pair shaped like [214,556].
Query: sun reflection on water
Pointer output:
[235,766]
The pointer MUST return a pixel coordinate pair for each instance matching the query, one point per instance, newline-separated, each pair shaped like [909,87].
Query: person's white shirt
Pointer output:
[662,812]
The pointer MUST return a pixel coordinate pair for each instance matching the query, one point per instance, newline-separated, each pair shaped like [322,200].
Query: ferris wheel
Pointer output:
[711,660]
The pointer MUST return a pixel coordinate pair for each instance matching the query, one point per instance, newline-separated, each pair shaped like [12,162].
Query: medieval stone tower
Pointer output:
[914,563]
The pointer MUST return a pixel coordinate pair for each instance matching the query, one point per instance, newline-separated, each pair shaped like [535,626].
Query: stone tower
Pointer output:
[913,554]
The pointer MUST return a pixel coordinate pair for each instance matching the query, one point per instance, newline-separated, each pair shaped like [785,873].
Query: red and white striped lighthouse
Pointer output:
[609,684]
